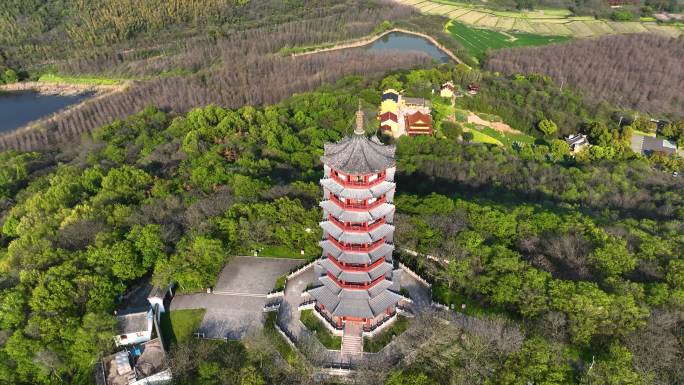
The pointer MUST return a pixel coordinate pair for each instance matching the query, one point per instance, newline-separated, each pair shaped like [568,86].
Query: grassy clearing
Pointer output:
[507,138]
[478,41]
[97,81]
[312,323]
[479,137]
[280,252]
[637,132]
[375,344]
[177,326]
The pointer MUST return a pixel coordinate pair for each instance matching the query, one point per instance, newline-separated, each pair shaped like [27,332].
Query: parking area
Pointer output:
[236,304]
[253,275]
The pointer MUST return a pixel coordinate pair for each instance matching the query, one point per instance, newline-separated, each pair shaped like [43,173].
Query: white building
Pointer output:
[134,327]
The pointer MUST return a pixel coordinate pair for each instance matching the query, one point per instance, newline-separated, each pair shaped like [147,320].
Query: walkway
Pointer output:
[419,293]
[236,305]
[288,314]
[352,340]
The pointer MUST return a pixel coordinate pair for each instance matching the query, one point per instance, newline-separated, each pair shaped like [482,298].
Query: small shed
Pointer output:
[577,142]
[134,327]
[447,90]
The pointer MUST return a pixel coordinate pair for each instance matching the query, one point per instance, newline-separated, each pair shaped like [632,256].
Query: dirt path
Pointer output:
[499,126]
[49,88]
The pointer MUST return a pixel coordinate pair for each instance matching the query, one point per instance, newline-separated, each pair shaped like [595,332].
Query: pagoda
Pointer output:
[358,282]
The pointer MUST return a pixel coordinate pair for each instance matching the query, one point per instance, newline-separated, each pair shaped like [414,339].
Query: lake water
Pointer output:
[21,107]
[398,41]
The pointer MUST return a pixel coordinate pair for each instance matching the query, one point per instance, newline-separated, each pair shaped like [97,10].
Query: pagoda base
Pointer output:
[369,325]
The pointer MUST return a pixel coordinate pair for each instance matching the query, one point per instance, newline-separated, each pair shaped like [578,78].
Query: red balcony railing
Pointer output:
[348,267]
[354,285]
[357,206]
[362,228]
[365,248]
[354,183]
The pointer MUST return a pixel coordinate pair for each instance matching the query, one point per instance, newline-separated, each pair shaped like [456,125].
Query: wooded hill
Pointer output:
[640,71]
[238,64]
[572,269]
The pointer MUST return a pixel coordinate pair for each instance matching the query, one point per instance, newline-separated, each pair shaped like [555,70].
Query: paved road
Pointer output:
[236,305]
[289,308]
[420,294]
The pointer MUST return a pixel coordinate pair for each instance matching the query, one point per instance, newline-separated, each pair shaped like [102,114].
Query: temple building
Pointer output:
[418,123]
[358,282]
[400,115]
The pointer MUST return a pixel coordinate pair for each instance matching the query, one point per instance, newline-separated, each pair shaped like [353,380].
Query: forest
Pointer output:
[642,72]
[237,63]
[571,268]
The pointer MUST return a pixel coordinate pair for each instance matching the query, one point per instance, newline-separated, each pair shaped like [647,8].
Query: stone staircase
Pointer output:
[352,340]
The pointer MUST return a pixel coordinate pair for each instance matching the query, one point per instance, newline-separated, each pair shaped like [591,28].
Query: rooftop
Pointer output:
[358,155]
[133,321]
[141,362]
[417,102]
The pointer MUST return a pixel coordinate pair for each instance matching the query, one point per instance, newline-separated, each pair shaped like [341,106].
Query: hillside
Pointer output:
[565,265]
[641,72]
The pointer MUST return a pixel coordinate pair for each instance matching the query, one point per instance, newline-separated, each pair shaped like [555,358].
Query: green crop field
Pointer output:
[477,41]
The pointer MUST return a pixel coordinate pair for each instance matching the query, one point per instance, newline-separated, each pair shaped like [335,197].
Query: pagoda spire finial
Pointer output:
[359,121]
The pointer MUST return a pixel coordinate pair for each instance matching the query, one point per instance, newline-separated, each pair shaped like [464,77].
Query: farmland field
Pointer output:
[542,21]
[477,41]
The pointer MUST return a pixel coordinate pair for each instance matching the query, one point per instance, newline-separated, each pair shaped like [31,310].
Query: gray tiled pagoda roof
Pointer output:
[354,276]
[327,282]
[356,257]
[357,155]
[354,303]
[356,237]
[325,296]
[328,265]
[354,308]
[356,216]
[383,300]
[380,287]
[376,191]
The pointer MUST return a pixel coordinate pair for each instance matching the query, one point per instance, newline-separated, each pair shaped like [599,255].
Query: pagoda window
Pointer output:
[356,178]
[373,177]
[371,200]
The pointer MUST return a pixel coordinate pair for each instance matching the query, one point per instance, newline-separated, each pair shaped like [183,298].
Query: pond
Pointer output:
[21,107]
[399,41]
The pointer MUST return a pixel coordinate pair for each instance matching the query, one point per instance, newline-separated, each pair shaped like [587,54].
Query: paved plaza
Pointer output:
[236,303]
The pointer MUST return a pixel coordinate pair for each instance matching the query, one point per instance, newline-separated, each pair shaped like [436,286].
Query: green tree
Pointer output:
[599,133]
[613,368]
[675,131]
[536,363]
[10,76]
[250,376]
[125,184]
[148,243]
[559,149]
[409,378]
[92,339]
[613,258]
[547,127]
[195,265]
